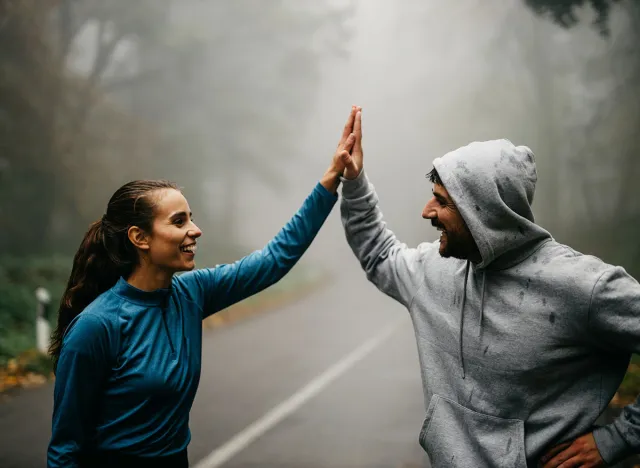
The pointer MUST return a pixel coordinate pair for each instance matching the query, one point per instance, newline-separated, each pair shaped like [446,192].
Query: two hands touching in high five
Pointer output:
[353,161]
[347,160]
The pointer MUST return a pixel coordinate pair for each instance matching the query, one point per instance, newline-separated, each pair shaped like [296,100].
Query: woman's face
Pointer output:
[172,243]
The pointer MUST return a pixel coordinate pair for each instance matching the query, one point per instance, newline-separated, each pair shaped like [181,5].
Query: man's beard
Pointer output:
[455,247]
[456,244]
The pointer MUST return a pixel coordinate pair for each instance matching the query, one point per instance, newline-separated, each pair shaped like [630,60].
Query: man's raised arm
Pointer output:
[389,264]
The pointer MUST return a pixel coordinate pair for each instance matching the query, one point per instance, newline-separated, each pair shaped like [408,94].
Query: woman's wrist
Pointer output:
[331,180]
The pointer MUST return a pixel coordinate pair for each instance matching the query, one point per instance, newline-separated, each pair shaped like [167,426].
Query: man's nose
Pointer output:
[429,212]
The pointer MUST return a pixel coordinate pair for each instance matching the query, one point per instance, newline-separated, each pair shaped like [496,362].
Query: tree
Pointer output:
[46,129]
[199,92]
[605,134]
[87,37]
[247,82]
[30,82]
[534,67]
[565,13]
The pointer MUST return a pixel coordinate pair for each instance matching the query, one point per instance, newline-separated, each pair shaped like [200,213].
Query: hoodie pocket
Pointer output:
[455,436]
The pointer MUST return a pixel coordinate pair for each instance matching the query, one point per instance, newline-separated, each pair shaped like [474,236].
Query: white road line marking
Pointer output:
[295,401]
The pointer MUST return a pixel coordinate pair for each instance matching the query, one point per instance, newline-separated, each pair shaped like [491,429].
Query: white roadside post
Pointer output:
[43,330]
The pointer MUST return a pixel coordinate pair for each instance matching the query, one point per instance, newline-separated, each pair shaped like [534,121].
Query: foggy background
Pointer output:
[242,104]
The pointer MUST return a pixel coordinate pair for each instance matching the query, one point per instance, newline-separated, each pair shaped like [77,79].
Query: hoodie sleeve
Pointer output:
[83,366]
[220,287]
[389,264]
[614,320]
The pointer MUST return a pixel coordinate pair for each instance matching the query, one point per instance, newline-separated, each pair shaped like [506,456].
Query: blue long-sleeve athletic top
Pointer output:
[130,363]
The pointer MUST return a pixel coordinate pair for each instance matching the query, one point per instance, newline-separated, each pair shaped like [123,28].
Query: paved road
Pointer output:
[331,381]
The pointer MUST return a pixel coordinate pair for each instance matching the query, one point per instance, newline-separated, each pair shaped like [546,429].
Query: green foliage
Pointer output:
[19,277]
[630,386]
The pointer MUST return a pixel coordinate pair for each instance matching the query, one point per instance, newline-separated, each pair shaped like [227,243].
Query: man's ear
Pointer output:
[138,237]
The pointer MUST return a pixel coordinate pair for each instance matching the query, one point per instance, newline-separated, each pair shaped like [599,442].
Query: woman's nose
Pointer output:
[195,232]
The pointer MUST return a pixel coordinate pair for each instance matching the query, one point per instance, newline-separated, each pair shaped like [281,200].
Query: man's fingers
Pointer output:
[357,130]
[574,462]
[348,127]
[563,456]
[554,451]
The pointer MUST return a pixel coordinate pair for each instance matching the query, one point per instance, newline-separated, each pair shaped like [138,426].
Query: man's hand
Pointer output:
[353,162]
[342,157]
[582,453]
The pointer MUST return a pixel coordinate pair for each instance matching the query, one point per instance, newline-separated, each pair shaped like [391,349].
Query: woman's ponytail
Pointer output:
[93,273]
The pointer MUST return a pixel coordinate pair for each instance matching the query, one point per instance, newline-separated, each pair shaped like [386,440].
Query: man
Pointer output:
[522,341]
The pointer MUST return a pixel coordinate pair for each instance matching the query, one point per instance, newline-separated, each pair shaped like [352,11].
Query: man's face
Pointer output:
[456,240]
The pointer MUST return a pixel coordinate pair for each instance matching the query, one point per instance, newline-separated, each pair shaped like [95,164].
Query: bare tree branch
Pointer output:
[104,53]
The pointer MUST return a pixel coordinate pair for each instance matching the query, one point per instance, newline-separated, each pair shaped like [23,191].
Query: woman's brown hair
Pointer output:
[106,253]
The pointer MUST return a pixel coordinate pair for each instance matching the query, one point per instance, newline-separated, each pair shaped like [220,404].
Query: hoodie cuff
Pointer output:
[355,188]
[611,445]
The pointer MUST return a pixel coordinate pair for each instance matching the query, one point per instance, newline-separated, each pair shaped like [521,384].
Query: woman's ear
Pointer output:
[138,238]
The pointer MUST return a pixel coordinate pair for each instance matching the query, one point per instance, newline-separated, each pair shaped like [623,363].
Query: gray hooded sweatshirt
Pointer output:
[521,351]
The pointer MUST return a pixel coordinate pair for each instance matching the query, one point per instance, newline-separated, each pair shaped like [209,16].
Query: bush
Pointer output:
[19,278]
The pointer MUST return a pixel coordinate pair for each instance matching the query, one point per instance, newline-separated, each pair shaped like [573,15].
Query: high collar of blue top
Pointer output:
[133,294]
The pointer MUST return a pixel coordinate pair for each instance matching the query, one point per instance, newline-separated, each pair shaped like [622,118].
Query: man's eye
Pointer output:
[178,222]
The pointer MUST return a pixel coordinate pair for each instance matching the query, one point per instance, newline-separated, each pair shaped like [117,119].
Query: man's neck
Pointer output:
[475,257]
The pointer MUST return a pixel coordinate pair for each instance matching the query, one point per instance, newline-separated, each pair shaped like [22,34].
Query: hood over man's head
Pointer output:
[492,184]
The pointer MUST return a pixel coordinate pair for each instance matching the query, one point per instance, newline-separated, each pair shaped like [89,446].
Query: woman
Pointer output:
[127,347]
